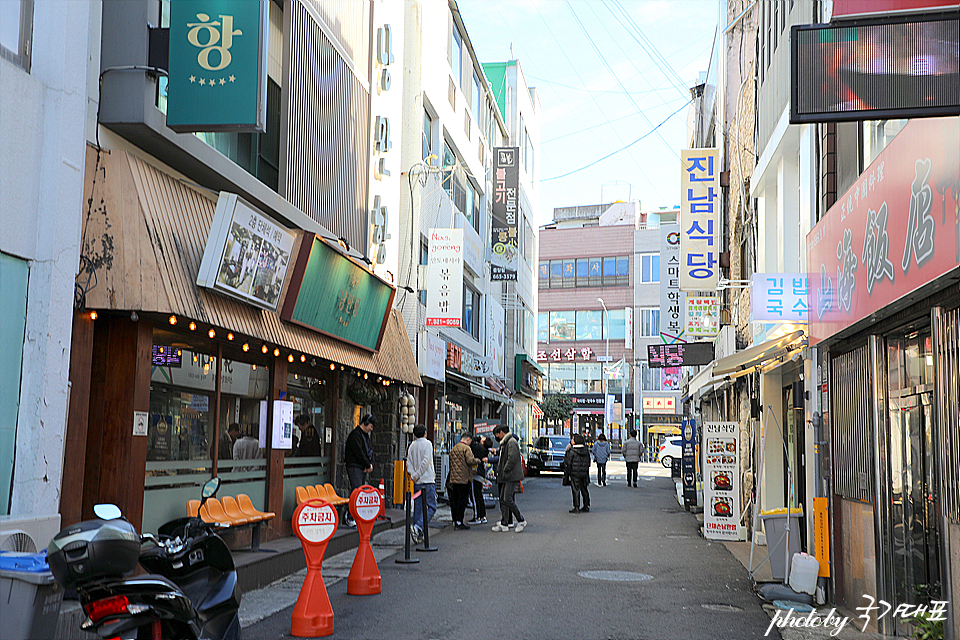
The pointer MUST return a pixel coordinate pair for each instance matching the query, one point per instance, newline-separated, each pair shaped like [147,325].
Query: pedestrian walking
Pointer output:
[462,464]
[601,453]
[509,474]
[576,465]
[631,455]
[480,452]
[421,470]
[358,455]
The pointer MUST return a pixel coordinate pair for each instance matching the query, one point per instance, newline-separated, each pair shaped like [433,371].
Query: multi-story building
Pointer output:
[228,258]
[44,47]
[452,123]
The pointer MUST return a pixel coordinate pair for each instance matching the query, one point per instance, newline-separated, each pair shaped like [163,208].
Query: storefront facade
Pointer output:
[888,357]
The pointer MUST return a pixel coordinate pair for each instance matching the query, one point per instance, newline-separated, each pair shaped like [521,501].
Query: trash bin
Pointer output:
[29,595]
[775,528]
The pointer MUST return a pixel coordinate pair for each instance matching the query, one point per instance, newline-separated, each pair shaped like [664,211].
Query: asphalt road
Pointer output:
[563,577]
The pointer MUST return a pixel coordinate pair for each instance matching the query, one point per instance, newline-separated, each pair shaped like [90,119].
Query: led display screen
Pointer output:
[875,70]
[682,354]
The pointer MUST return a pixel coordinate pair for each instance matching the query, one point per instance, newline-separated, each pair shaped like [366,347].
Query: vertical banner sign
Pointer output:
[504,227]
[689,466]
[218,66]
[495,339]
[721,481]
[445,278]
[628,328]
[672,299]
[699,219]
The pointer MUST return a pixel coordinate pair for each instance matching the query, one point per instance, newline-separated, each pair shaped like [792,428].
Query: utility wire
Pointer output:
[621,148]
[647,45]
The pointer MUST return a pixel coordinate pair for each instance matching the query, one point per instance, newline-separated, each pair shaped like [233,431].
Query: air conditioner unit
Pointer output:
[441,465]
[29,534]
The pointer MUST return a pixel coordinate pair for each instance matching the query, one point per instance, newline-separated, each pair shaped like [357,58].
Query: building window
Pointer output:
[561,377]
[16,31]
[471,311]
[569,274]
[589,378]
[562,326]
[457,60]
[471,202]
[556,274]
[649,378]
[589,325]
[649,322]
[476,100]
[617,325]
[649,267]
[543,326]
[543,274]
[427,135]
[528,155]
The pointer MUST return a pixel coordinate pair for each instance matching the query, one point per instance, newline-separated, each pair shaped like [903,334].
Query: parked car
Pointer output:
[546,454]
[670,449]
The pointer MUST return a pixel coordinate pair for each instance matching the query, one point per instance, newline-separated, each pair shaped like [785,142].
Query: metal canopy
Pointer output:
[752,357]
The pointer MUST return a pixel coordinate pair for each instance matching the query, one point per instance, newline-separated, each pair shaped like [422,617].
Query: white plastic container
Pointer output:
[803,573]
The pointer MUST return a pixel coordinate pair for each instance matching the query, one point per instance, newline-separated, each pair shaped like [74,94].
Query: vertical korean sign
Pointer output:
[504,228]
[445,278]
[699,219]
[721,480]
[671,298]
[218,71]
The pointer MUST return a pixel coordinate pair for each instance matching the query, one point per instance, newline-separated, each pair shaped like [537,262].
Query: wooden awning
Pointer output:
[145,231]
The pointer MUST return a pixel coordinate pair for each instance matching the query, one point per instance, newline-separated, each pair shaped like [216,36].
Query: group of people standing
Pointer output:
[576,466]
[466,479]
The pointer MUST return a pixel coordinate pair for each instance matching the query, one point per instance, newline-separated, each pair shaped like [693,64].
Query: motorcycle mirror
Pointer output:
[210,488]
[107,511]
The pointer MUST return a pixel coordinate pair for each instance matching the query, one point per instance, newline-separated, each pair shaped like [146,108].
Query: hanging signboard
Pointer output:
[332,294]
[778,297]
[702,317]
[495,339]
[721,481]
[445,278]
[504,228]
[246,255]
[217,66]
[894,231]
[671,297]
[679,355]
[699,219]
[433,355]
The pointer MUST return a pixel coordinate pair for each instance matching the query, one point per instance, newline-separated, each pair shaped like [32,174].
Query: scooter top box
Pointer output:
[93,549]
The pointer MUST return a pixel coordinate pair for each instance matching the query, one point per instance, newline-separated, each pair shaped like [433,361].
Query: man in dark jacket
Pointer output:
[576,463]
[358,454]
[509,475]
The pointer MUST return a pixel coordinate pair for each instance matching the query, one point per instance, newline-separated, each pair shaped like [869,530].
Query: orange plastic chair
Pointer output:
[302,495]
[219,515]
[232,509]
[193,506]
[312,491]
[333,494]
[325,495]
[246,506]
[205,515]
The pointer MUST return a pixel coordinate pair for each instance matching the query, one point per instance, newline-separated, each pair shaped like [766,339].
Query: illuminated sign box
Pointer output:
[876,69]
[681,354]
[332,294]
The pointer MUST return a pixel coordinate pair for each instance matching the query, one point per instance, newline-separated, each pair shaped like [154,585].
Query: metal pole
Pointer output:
[603,368]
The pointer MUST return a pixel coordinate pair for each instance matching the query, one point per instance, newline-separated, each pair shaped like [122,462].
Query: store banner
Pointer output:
[218,66]
[495,339]
[858,8]
[628,328]
[702,317]
[699,219]
[504,228]
[721,481]
[445,278]
[778,297]
[247,253]
[672,299]
[895,230]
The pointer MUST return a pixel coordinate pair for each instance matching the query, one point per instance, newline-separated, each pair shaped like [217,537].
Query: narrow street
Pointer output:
[634,567]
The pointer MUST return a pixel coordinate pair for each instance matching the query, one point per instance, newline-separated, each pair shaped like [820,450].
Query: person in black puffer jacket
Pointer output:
[576,465]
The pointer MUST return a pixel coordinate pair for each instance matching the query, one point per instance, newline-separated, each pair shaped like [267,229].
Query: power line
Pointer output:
[621,148]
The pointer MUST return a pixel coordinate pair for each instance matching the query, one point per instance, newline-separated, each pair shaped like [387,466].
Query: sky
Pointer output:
[610,75]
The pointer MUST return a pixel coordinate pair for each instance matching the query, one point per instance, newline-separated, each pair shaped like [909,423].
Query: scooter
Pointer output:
[191,592]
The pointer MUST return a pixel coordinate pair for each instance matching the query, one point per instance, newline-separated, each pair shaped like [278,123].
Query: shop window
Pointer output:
[589,325]
[562,326]
[589,377]
[562,378]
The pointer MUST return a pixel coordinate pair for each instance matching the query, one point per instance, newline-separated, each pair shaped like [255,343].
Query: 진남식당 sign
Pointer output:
[217,66]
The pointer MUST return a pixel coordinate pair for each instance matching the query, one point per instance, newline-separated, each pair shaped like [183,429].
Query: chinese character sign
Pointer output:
[702,317]
[218,73]
[445,278]
[672,299]
[895,230]
[504,228]
[699,219]
[778,297]
[721,480]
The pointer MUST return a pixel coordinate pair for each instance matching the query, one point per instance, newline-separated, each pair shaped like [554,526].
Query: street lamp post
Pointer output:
[603,367]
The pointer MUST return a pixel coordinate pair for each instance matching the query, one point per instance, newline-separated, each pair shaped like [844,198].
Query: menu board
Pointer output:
[166,356]
[721,480]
